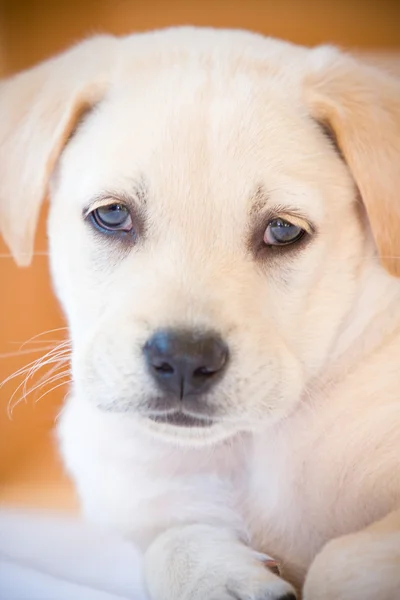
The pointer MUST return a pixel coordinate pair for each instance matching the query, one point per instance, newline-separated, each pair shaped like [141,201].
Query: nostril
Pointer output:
[164,368]
[204,372]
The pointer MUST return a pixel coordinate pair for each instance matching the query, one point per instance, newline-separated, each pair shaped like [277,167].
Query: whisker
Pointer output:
[55,341]
[24,352]
[47,381]
[13,404]
[22,371]
[52,390]
[56,357]
[53,369]
[56,351]
[42,333]
[38,253]
[62,408]
[21,398]
[388,256]
[49,357]
[58,363]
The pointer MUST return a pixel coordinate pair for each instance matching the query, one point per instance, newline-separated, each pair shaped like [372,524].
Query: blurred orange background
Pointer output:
[32,30]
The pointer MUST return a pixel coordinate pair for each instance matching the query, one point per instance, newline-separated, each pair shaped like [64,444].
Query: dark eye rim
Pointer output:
[263,253]
[296,239]
[135,205]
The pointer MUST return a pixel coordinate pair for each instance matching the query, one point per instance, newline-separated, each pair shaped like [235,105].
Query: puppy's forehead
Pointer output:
[194,134]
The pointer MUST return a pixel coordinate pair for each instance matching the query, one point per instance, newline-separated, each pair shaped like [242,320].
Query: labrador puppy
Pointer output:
[224,237]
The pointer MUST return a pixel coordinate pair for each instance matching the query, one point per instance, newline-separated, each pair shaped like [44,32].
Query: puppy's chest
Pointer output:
[274,503]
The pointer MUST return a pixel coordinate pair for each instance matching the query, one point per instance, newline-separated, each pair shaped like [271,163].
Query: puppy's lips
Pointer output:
[182,419]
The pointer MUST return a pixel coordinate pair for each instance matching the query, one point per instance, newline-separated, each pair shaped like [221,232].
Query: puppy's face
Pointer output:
[204,242]
[206,236]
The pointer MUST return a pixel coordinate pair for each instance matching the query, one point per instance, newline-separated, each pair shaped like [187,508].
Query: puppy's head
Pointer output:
[216,201]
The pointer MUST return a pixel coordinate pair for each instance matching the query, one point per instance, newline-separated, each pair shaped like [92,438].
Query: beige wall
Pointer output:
[32,30]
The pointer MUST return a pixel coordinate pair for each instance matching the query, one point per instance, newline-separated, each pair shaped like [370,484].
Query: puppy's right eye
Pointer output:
[112,217]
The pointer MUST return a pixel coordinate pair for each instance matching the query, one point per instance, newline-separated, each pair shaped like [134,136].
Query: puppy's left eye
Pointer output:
[280,232]
[112,217]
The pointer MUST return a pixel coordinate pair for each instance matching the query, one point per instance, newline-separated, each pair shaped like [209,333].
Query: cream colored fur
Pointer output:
[206,130]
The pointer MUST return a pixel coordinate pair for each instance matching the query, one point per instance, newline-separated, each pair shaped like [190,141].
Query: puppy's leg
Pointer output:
[180,507]
[202,562]
[360,566]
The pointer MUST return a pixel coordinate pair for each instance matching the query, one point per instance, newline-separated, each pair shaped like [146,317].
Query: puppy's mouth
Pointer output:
[182,419]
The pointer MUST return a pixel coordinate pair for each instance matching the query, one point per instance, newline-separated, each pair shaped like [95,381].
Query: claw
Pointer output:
[269,562]
[272,565]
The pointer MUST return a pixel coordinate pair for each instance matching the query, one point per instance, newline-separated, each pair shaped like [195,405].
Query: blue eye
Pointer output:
[281,233]
[112,217]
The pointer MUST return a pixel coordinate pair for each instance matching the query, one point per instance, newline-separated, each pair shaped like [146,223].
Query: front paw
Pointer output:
[205,563]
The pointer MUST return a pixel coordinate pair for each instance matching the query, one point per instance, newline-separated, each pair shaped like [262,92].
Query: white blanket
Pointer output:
[52,557]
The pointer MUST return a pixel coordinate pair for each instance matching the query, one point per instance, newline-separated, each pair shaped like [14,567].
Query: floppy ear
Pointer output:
[361,106]
[39,109]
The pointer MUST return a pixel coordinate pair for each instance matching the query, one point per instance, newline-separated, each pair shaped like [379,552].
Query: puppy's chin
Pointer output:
[188,434]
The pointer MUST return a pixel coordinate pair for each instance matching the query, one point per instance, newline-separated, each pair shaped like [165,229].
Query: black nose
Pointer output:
[185,363]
